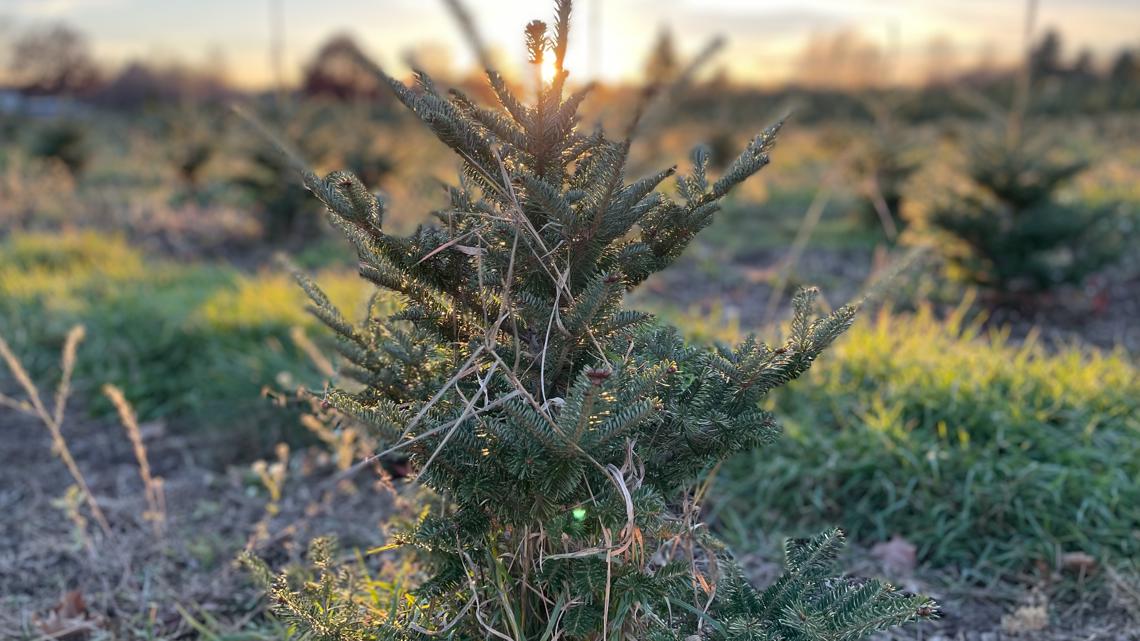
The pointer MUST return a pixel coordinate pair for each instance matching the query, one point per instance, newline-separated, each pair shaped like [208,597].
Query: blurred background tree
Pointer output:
[340,70]
[53,60]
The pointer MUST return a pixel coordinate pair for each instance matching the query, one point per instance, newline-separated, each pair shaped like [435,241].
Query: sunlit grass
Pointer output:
[194,343]
[273,298]
[987,454]
[56,266]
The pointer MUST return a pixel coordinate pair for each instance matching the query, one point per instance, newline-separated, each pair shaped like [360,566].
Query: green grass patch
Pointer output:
[746,226]
[190,343]
[986,454]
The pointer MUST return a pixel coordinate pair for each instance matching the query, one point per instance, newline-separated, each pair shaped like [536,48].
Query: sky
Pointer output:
[763,36]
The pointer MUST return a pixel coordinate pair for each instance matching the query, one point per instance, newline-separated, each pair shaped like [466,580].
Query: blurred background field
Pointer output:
[977,434]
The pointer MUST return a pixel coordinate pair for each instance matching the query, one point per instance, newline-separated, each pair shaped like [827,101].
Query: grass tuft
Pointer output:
[986,454]
[194,343]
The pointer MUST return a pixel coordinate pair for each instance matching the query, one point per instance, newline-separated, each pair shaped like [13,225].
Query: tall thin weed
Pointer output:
[33,405]
[155,494]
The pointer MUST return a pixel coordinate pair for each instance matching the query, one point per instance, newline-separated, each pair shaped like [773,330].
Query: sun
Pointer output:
[547,69]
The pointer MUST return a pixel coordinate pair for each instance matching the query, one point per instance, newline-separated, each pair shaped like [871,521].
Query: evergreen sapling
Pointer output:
[882,168]
[565,434]
[1013,234]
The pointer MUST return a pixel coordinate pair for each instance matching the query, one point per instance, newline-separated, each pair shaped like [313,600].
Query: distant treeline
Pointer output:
[1057,86]
[966,100]
[56,61]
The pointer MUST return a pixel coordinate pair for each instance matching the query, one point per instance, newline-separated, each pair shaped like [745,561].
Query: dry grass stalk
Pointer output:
[343,444]
[155,495]
[305,344]
[1124,588]
[71,504]
[272,476]
[807,226]
[67,367]
[34,406]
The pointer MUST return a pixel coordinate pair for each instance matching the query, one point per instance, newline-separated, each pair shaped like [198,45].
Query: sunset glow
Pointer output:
[765,40]
[547,69]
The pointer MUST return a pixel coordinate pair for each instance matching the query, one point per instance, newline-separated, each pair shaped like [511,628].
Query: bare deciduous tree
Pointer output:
[53,60]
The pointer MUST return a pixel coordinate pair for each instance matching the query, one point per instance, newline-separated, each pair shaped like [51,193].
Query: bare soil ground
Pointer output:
[56,583]
[1042,607]
[1102,313]
[60,581]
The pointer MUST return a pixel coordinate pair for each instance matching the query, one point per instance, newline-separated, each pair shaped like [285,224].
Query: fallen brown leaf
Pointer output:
[1081,562]
[1027,618]
[897,556]
[68,620]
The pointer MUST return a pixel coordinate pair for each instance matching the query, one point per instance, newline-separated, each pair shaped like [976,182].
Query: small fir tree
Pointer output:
[193,144]
[883,166]
[64,142]
[564,434]
[1014,235]
[288,211]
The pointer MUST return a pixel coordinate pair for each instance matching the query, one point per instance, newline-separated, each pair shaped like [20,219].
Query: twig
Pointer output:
[462,417]
[803,234]
[886,216]
[302,341]
[349,473]
[470,31]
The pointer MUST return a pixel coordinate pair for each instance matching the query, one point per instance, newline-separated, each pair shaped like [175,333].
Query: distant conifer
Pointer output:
[1013,234]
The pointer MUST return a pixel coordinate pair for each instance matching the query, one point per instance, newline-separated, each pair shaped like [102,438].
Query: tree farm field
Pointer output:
[360,357]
